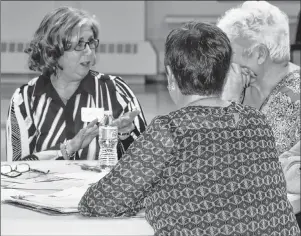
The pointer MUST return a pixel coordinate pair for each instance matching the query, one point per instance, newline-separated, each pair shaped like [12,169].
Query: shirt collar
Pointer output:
[43,85]
[88,84]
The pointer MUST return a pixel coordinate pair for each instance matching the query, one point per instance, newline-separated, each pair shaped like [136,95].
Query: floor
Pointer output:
[153,97]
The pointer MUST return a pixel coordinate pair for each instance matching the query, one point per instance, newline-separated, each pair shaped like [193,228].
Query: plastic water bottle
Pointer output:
[108,139]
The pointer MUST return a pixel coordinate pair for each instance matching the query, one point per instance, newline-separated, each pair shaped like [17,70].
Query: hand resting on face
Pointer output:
[238,78]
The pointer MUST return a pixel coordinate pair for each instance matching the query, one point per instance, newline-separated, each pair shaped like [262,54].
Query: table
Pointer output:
[19,221]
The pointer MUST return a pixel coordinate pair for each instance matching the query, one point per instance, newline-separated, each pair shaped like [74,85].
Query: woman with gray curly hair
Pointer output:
[44,120]
[263,76]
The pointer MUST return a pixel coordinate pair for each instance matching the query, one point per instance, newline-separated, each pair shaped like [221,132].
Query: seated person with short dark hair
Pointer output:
[208,168]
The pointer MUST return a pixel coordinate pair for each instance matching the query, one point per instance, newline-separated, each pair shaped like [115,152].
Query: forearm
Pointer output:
[100,200]
[139,128]
[53,153]
[56,152]
[123,190]
[124,144]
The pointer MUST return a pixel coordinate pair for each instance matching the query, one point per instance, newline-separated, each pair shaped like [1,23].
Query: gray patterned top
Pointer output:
[282,110]
[200,171]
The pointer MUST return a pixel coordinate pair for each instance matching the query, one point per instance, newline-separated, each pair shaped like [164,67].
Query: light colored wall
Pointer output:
[119,20]
[158,13]
[158,10]
[18,21]
[122,23]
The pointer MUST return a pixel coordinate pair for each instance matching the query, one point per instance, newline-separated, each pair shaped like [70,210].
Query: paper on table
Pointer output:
[29,178]
[65,201]
[54,181]
[14,182]
[7,194]
[51,185]
[62,202]
[88,176]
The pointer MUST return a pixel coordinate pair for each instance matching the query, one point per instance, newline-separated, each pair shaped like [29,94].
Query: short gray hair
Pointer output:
[261,23]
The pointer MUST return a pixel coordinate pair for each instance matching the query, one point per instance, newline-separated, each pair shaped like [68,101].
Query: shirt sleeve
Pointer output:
[122,191]
[21,132]
[127,96]
[282,110]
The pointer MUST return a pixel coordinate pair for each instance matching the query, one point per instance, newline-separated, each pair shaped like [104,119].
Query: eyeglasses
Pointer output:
[17,170]
[93,43]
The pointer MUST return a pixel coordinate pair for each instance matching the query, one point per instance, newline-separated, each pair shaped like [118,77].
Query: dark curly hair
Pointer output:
[199,55]
[53,37]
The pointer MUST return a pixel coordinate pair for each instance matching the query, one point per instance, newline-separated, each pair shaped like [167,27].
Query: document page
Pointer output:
[65,201]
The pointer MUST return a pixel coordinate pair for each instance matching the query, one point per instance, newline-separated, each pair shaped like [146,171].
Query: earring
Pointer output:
[170,87]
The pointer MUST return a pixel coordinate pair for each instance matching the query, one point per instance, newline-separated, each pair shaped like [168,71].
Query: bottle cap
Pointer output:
[108,117]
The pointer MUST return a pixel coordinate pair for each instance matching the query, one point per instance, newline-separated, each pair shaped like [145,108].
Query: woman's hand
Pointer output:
[248,77]
[84,137]
[238,78]
[125,124]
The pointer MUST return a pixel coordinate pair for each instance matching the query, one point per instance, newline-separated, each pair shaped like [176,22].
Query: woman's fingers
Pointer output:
[81,133]
[245,71]
[92,130]
[246,80]
[84,136]
[126,119]
[132,114]
[127,129]
[104,120]
[116,122]
[92,123]
[122,121]
[236,68]
[252,74]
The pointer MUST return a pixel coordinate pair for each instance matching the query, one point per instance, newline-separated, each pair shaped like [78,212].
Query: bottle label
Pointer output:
[108,139]
[108,132]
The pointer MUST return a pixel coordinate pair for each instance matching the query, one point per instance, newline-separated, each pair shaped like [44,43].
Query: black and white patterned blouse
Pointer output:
[38,121]
[200,171]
